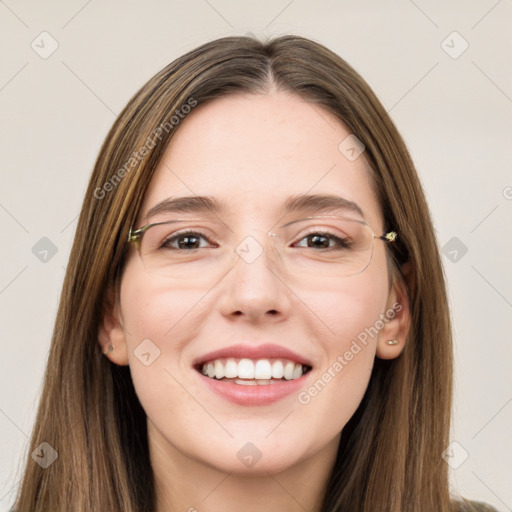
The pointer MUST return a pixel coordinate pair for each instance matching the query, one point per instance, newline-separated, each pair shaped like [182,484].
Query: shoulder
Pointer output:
[483,507]
[472,506]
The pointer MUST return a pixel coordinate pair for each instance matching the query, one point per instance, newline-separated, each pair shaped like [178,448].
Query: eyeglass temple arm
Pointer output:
[135,235]
[390,236]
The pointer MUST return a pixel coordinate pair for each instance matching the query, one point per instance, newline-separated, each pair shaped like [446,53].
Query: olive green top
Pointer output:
[473,506]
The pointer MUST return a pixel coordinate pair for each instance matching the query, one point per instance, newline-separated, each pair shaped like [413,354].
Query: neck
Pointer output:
[186,484]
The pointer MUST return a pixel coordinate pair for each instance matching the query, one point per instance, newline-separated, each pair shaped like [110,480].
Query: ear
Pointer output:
[111,334]
[398,316]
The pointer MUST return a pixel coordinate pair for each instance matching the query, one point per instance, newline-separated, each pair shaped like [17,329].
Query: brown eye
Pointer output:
[319,241]
[322,240]
[188,241]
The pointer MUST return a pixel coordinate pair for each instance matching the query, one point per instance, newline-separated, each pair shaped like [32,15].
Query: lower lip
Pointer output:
[254,395]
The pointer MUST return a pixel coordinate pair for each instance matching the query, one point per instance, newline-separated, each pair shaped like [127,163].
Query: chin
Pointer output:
[256,455]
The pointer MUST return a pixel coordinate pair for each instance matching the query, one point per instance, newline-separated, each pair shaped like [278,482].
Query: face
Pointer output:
[242,291]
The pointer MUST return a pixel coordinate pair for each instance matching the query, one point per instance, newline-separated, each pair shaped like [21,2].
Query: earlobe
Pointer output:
[107,348]
[393,335]
[111,335]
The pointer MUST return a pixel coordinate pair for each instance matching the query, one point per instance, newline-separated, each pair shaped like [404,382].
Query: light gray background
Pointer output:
[454,113]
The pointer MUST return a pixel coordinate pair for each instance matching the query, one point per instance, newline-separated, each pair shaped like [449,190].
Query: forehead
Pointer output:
[253,153]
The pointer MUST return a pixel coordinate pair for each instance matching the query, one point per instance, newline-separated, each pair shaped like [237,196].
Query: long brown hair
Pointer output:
[389,456]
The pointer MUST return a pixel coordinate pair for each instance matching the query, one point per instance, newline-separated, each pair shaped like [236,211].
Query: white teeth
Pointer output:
[288,370]
[264,371]
[246,382]
[297,371]
[231,369]
[253,382]
[219,369]
[277,369]
[246,369]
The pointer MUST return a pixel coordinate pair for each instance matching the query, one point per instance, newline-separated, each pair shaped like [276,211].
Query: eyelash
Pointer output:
[177,236]
[343,243]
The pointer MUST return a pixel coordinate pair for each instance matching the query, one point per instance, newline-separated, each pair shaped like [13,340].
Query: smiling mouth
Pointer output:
[252,372]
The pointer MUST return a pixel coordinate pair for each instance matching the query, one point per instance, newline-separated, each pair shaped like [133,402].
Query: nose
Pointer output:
[253,289]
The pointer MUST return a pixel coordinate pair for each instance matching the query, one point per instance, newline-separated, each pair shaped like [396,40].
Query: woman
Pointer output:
[254,312]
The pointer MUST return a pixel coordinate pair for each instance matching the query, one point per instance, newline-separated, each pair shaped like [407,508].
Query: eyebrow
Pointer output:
[320,203]
[188,204]
[304,203]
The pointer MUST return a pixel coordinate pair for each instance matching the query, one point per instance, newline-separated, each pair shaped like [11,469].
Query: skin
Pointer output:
[251,151]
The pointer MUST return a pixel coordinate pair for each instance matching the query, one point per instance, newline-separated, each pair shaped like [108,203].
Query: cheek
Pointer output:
[158,320]
[155,308]
[350,307]
[351,313]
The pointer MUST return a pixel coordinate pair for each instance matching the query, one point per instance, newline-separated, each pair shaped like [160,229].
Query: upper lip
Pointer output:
[265,351]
